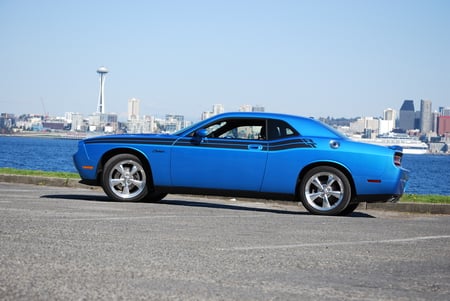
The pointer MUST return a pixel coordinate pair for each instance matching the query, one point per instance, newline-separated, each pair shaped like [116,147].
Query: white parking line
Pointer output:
[331,244]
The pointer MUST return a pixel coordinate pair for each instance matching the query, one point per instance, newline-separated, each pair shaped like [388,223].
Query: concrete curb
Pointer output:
[44,181]
[74,183]
[410,207]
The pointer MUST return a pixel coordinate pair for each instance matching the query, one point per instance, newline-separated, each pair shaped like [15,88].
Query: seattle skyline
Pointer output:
[323,58]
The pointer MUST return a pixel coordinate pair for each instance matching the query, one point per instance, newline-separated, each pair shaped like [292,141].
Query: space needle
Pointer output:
[101,96]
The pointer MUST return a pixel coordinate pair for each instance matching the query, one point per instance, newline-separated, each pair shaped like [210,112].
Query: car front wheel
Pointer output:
[125,179]
[325,190]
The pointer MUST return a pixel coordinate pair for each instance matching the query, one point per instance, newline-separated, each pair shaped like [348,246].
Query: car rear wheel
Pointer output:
[155,196]
[349,209]
[325,190]
[125,179]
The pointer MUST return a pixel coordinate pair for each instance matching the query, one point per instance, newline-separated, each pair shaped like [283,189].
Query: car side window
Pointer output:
[210,130]
[243,132]
[280,129]
[243,129]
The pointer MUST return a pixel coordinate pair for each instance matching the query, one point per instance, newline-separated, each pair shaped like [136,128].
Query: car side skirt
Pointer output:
[226,193]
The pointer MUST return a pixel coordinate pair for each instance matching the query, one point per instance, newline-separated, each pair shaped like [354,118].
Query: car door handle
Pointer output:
[255,147]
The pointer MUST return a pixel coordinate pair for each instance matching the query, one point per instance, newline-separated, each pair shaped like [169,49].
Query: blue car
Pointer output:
[260,155]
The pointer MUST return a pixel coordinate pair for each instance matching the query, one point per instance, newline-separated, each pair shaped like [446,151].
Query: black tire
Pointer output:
[155,196]
[125,179]
[349,209]
[325,190]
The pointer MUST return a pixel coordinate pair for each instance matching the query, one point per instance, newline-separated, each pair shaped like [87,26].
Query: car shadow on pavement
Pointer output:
[78,197]
[189,203]
[175,202]
[235,207]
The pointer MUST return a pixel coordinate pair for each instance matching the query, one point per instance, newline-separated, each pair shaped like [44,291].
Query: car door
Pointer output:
[230,156]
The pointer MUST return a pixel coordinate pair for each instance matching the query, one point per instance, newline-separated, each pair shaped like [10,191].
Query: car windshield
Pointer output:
[185,130]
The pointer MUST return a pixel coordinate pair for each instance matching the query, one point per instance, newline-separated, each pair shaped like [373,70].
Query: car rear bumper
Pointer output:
[379,198]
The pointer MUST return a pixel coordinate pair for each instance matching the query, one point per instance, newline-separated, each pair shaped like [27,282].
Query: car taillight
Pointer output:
[398,159]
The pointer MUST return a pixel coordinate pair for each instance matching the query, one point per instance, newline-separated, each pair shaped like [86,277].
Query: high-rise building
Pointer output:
[258,108]
[245,108]
[389,114]
[218,109]
[388,123]
[426,116]
[443,125]
[206,115]
[435,120]
[133,109]
[444,111]
[173,123]
[76,121]
[407,116]
[367,125]
[250,108]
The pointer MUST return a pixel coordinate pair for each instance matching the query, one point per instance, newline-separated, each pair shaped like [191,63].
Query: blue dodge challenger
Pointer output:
[263,155]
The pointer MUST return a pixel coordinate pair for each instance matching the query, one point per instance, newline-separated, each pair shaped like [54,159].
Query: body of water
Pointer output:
[430,174]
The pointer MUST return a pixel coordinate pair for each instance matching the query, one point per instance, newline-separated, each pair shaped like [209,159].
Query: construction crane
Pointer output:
[45,111]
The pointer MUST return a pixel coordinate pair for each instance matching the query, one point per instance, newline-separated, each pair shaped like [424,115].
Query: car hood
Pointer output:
[130,137]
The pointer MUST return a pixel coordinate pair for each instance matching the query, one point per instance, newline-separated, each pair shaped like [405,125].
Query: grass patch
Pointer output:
[426,198]
[39,173]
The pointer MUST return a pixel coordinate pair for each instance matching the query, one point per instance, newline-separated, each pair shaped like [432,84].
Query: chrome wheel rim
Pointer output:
[324,191]
[127,179]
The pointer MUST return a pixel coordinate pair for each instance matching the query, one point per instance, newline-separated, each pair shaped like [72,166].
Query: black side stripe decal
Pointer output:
[229,144]
[212,143]
[290,144]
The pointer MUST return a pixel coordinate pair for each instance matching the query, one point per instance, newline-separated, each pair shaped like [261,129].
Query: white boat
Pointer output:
[410,145]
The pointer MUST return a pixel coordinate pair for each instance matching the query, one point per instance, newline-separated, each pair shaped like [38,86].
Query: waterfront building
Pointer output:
[444,111]
[369,126]
[54,124]
[216,109]
[443,128]
[426,116]
[434,120]
[144,125]
[258,108]
[250,108]
[107,123]
[173,123]
[7,122]
[246,108]
[407,116]
[389,114]
[78,123]
[387,125]
[206,115]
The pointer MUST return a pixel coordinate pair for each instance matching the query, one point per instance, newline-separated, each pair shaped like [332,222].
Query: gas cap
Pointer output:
[334,144]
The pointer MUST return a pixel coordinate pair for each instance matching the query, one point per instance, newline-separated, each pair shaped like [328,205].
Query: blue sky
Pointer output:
[315,58]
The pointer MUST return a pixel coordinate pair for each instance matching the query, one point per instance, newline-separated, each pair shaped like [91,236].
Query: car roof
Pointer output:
[305,125]
[257,115]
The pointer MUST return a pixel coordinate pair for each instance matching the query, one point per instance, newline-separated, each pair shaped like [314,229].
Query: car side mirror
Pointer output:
[202,133]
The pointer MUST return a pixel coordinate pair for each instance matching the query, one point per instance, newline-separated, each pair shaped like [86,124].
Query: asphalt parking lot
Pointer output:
[72,243]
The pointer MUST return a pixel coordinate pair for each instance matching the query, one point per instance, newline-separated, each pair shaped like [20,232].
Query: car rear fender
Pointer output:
[326,163]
